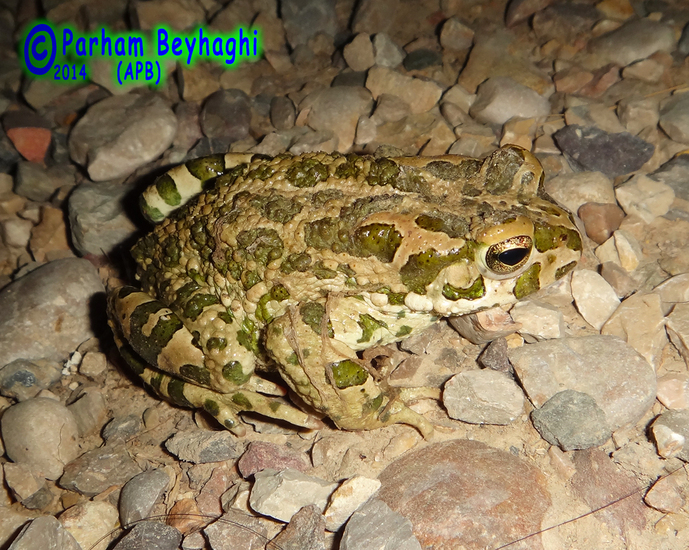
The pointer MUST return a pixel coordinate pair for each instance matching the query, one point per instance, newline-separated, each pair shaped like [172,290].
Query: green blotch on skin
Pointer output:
[248,335]
[261,245]
[452,225]
[195,305]
[277,208]
[293,359]
[226,316]
[382,171]
[156,381]
[562,271]
[241,400]
[502,167]
[474,292]
[312,314]
[185,292]
[194,275]
[232,372]
[274,405]
[196,374]
[277,293]
[547,237]
[261,172]
[211,407]
[403,331]
[150,212]
[299,261]
[149,347]
[171,252]
[394,298]
[307,173]
[198,233]
[206,167]
[132,359]
[374,404]
[528,282]
[175,390]
[348,373]
[377,239]
[250,278]
[421,269]
[229,423]
[369,325]
[450,171]
[322,272]
[216,343]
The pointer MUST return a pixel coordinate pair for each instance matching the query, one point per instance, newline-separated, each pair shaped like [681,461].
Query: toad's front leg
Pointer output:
[326,373]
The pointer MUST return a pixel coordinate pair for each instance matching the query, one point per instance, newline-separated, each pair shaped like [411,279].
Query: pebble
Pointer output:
[280,494]
[448,490]
[261,455]
[304,19]
[456,36]
[675,289]
[347,498]
[484,326]
[678,329]
[670,431]
[594,298]
[122,133]
[41,433]
[39,183]
[571,420]
[91,522]
[639,321]
[16,232]
[386,52]
[234,530]
[575,190]
[638,114]
[305,531]
[675,173]
[48,311]
[636,39]
[44,532]
[589,148]
[620,380]
[665,496]
[282,113]
[139,495]
[600,220]
[96,470]
[494,356]
[645,197]
[23,482]
[375,525]
[422,58]
[538,320]
[93,365]
[29,133]
[359,53]
[337,110]
[420,95]
[674,118]
[483,397]
[22,380]
[628,250]
[151,535]
[500,98]
[90,411]
[179,15]
[121,428]
[201,447]
[673,390]
[97,217]
[683,44]
[226,115]
[647,70]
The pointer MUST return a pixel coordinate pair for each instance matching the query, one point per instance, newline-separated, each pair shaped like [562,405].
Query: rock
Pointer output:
[93,365]
[564,22]
[347,498]
[22,380]
[44,532]
[24,482]
[521,10]
[456,36]
[234,530]
[35,324]
[386,52]
[620,380]
[483,397]
[97,216]
[594,297]
[673,390]
[678,329]
[359,53]
[226,115]
[675,289]
[647,70]
[282,113]
[151,535]
[579,188]
[589,148]
[29,133]
[675,173]
[337,110]
[122,133]
[422,58]
[645,197]
[628,250]
[96,470]
[571,420]
[42,433]
[670,431]
[260,455]
[90,522]
[638,114]
[122,428]
[600,220]
[280,494]
[201,446]
[538,320]
[421,95]
[618,279]
[306,531]
[38,183]
[640,322]
[179,15]
[139,495]
[90,411]
[375,525]
[448,490]
[636,39]
[500,98]
[484,326]
[665,496]
[304,19]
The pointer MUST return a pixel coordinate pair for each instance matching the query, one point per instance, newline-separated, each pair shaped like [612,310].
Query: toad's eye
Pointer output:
[509,255]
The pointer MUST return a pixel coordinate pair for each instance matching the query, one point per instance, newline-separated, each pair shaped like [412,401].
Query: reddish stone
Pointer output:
[261,455]
[600,220]
[603,78]
[31,143]
[465,494]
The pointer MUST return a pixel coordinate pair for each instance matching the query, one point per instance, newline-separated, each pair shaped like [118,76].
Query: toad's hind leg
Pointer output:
[329,377]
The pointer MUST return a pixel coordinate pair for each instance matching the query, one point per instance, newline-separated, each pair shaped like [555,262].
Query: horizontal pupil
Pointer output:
[513,256]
